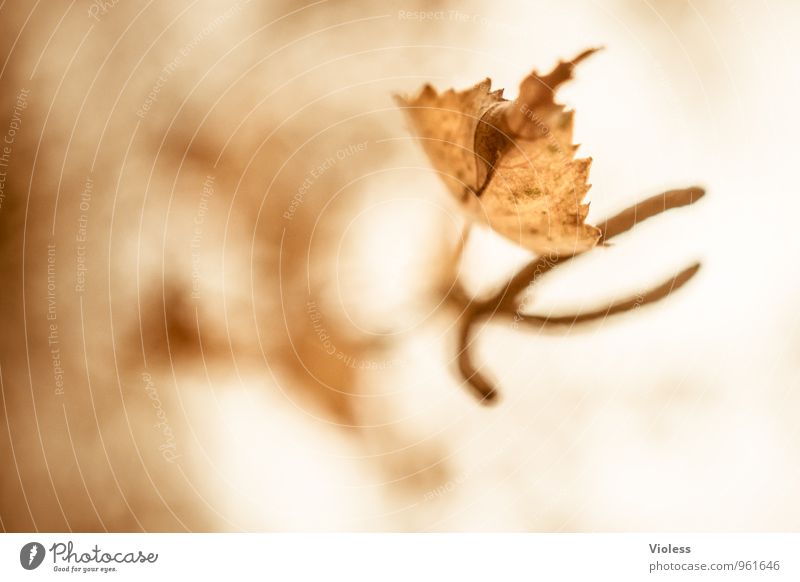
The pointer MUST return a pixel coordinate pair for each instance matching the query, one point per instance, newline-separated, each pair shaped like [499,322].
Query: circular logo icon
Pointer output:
[31,555]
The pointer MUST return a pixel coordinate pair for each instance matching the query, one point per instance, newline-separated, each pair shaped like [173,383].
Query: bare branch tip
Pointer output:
[689,272]
[586,54]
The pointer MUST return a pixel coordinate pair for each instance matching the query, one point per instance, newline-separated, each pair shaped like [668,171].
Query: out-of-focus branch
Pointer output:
[505,301]
[483,389]
[629,304]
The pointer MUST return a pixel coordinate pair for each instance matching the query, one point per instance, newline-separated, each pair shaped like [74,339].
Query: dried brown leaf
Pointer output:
[511,163]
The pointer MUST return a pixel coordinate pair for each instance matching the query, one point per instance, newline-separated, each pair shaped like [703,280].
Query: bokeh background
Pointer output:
[225,260]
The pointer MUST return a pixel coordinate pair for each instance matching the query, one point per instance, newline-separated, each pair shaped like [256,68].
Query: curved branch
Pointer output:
[481,387]
[629,304]
[630,217]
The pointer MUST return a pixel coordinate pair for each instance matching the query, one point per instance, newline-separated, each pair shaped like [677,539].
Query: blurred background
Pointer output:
[224,262]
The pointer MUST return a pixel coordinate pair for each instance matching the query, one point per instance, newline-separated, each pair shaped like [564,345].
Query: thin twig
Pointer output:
[641,211]
[482,388]
[631,303]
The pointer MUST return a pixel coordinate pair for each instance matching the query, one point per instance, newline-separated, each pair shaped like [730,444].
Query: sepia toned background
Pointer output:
[225,262]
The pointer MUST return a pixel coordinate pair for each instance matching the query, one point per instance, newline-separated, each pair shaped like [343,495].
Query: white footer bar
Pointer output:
[388,557]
